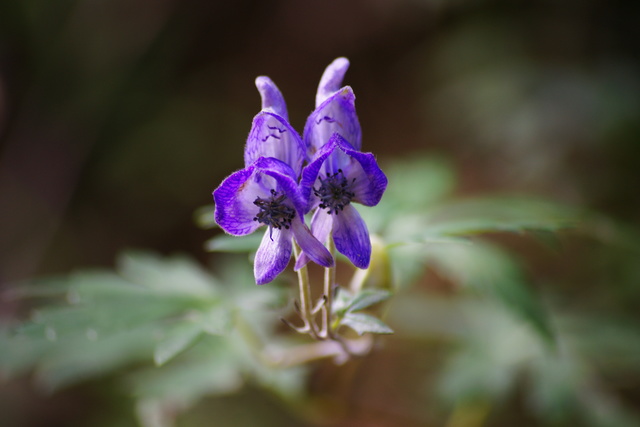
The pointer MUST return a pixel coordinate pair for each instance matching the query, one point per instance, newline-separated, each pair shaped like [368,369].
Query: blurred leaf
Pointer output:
[415,183]
[175,341]
[240,244]
[367,298]
[210,367]
[174,274]
[481,215]
[363,323]
[204,218]
[346,302]
[431,177]
[488,270]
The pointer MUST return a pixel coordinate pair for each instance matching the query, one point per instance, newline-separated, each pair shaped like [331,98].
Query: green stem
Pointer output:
[329,282]
[305,298]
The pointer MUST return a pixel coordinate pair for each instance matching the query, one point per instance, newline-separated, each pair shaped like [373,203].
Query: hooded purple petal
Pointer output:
[272,136]
[272,99]
[331,79]
[273,255]
[351,236]
[337,114]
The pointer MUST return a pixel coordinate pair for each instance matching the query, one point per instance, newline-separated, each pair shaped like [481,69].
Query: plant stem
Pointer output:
[329,283]
[305,298]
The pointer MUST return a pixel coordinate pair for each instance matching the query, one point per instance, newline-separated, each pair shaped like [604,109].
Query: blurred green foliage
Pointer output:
[174,333]
[118,117]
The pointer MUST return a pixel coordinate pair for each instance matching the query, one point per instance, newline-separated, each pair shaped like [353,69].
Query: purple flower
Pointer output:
[337,176]
[335,111]
[271,134]
[266,193]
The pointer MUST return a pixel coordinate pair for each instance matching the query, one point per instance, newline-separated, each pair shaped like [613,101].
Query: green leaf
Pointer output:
[204,218]
[346,302]
[420,180]
[363,323]
[175,341]
[175,274]
[492,214]
[486,269]
[238,244]
[367,298]
[414,184]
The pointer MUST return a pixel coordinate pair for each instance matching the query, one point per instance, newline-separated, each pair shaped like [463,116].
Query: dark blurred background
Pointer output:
[119,117]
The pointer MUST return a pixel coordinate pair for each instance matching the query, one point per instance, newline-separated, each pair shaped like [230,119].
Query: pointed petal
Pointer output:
[272,99]
[273,255]
[331,79]
[337,114]
[310,246]
[234,211]
[272,136]
[351,236]
[321,224]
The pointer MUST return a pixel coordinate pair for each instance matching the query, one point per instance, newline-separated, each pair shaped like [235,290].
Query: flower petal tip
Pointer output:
[331,79]
[272,99]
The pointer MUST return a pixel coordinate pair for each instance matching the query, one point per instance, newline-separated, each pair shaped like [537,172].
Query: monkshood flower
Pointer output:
[266,193]
[271,134]
[338,175]
[335,110]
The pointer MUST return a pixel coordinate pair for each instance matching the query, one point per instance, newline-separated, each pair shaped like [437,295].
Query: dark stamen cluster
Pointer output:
[274,212]
[334,192]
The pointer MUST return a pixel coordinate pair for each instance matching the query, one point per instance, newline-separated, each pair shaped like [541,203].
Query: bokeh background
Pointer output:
[119,117]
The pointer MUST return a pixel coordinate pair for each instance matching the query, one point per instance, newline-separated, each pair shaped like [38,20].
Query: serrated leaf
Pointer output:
[364,323]
[367,298]
[176,341]
[341,301]
[237,244]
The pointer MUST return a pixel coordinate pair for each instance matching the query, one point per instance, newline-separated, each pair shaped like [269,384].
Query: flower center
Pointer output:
[274,212]
[334,192]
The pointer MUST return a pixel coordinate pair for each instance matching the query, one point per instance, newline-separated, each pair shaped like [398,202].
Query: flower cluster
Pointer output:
[286,176]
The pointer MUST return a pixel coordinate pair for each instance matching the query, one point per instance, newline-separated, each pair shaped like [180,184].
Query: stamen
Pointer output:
[274,212]
[334,192]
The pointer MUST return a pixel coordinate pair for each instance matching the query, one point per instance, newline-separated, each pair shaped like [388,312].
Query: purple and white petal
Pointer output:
[234,208]
[351,236]
[331,79]
[337,114]
[273,255]
[311,248]
[321,224]
[272,99]
[272,136]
